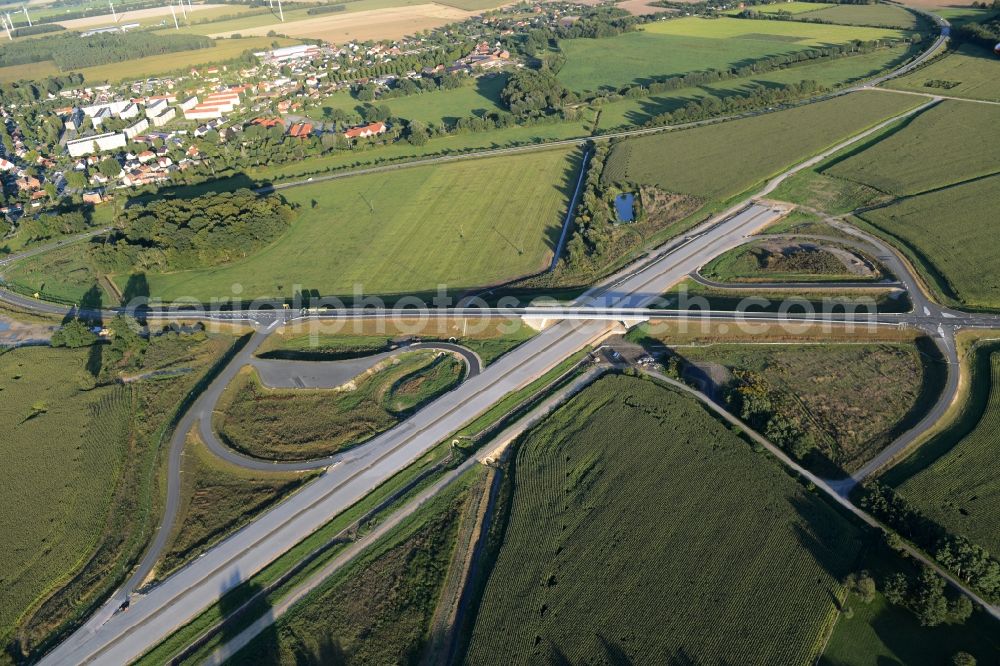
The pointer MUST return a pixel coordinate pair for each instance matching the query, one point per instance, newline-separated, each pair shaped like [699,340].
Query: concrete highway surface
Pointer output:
[111,637]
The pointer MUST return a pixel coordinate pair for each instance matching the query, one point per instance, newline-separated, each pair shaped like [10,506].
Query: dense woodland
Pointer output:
[72,51]
[191,233]
[530,93]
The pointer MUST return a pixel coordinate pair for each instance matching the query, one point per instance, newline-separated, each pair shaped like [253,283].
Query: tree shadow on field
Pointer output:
[230,183]
[328,652]
[566,186]
[90,311]
[135,296]
[614,655]
[826,535]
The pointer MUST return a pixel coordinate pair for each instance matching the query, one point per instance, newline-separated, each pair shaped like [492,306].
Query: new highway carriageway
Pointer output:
[114,637]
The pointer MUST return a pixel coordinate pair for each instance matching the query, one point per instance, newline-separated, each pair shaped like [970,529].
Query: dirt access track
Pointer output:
[388,23]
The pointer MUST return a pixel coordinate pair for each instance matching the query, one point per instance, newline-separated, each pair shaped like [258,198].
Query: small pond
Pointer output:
[625,207]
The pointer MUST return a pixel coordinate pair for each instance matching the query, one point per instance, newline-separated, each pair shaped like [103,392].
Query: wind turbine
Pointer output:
[113,14]
[7,28]
[25,10]
[281,13]
[174,14]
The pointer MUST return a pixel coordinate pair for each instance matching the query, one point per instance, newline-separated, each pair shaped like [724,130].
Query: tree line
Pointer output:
[73,51]
[187,233]
[755,68]
[985,32]
[968,561]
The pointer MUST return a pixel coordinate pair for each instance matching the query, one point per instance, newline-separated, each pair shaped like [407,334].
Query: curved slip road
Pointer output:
[854,242]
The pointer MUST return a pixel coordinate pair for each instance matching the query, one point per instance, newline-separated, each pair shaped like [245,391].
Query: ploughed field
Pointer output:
[636,521]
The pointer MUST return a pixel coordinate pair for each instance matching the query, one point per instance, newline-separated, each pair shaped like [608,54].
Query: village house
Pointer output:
[364,131]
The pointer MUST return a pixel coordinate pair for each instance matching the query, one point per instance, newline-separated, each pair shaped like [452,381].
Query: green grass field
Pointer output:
[959,489]
[948,235]
[440,107]
[790,7]
[451,144]
[877,15]
[670,48]
[720,161]
[880,634]
[834,393]
[970,71]
[28,71]
[831,74]
[637,521]
[267,423]
[834,196]
[462,224]
[943,145]
[64,274]
[63,451]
